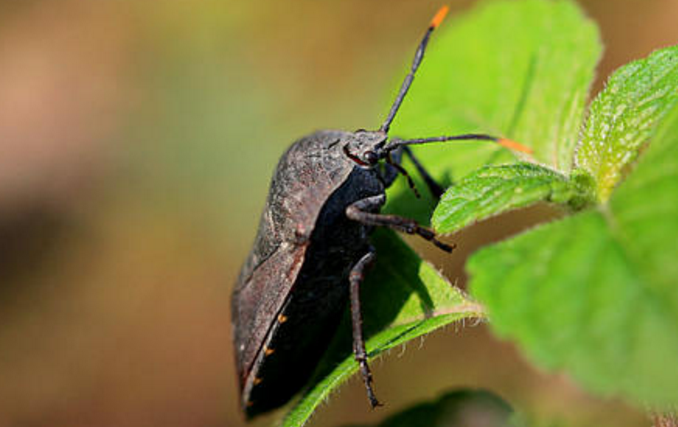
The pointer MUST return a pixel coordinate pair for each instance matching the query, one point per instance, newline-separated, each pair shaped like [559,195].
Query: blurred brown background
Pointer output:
[136,144]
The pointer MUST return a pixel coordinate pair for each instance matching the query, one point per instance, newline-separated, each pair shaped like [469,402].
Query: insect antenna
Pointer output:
[405,87]
[512,145]
[418,57]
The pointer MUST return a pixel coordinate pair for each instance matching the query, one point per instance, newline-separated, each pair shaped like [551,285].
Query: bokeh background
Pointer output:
[136,144]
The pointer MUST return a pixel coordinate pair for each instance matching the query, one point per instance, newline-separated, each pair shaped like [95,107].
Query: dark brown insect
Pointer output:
[312,250]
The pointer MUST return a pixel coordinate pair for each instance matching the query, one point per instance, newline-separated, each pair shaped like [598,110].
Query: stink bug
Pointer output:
[312,250]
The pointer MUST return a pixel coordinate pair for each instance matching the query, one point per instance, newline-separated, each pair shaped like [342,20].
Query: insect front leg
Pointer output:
[355,279]
[362,211]
[393,167]
[433,186]
[390,169]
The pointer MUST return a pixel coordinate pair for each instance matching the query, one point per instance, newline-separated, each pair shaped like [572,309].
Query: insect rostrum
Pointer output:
[312,251]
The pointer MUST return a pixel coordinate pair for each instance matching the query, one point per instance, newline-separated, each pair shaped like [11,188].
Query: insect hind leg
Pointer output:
[356,277]
[360,211]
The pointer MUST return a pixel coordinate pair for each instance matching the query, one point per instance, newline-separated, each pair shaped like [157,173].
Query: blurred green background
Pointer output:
[136,144]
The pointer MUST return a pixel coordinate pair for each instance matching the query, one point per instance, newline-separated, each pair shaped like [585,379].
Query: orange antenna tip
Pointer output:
[515,146]
[440,15]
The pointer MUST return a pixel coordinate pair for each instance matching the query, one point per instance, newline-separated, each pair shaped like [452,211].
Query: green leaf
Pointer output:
[596,294]
[623,117]
[459,408]
[495,189]
[518,69]
[645,209]
[402,298]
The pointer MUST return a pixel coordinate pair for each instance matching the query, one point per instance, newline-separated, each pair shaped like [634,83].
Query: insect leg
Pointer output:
[360,211]
[435,188]
[395,164]
[393,167]
[355,278]
[389,172]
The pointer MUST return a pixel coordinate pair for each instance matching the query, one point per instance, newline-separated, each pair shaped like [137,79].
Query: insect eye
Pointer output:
[371,157]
